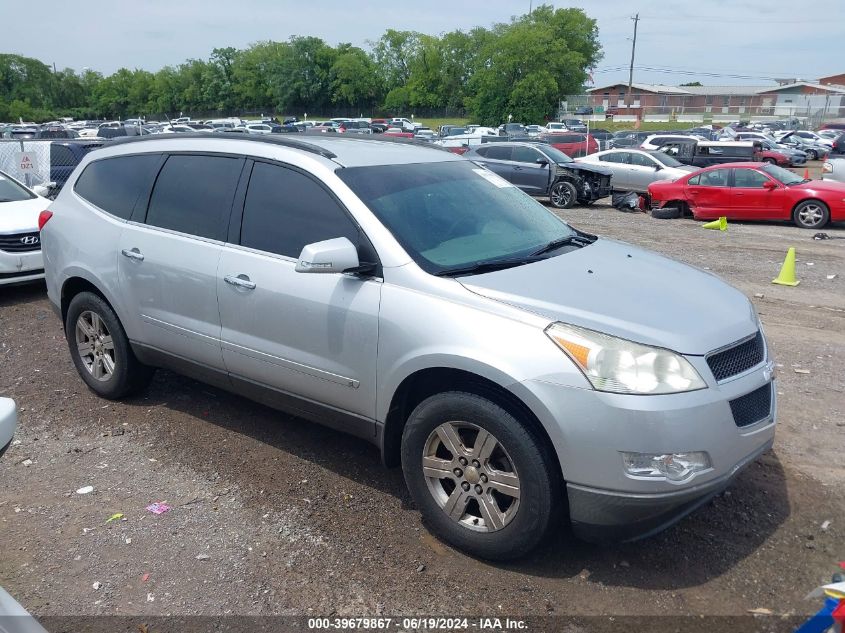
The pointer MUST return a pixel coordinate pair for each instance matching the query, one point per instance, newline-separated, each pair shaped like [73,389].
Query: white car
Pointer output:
[654,141]
[258,128]
[20,241]
[834,169]
[8,422]
[635,169]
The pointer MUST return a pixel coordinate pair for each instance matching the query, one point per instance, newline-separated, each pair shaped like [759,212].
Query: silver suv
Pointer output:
[519,370]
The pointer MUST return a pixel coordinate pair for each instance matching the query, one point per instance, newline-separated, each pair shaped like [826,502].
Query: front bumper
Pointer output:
[18,267]
[601,515]
[590,430]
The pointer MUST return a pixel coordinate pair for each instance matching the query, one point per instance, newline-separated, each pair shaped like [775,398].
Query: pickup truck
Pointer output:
[707,153]
[541,170]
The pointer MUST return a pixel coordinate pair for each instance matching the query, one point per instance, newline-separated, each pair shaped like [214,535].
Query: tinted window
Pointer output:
[694,180]
[114,184]
[61,156]
[749,179]
[615,157]
[193,194]
[522,154]
[482,151]
[285,210]
[499,152]
[641,160]
[715,178]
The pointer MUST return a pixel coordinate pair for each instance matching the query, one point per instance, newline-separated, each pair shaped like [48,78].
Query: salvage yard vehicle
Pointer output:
[706,153]
[20,243]
[541,170]
[572,144]
[813,149]
[635,170]
[751,191]
[412,298]
[834,169]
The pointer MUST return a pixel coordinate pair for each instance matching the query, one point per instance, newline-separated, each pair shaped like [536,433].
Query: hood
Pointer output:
[20,217]
[594,169]
[822,186]
[629,292]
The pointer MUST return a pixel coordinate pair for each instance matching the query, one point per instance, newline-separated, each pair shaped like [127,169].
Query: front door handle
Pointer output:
[133,254]
[241,281]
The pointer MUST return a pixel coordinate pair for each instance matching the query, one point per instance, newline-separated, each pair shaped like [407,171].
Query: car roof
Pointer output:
[348,151]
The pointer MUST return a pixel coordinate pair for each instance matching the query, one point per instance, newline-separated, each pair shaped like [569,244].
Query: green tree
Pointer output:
[354,81]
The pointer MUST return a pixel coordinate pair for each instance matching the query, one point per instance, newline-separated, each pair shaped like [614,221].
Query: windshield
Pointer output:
[454,214]
[10,191]
[666,160]
[554,154]
[783,175]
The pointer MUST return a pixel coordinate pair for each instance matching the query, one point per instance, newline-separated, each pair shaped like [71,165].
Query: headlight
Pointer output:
[672,466]
[619,366]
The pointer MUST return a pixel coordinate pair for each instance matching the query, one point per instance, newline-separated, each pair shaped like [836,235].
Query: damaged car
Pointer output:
[541,170]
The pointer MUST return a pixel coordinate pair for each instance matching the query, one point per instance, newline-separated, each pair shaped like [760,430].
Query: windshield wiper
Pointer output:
[577,240]
[485,267]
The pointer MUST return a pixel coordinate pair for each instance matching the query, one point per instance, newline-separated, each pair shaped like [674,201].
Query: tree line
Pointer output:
[520,68]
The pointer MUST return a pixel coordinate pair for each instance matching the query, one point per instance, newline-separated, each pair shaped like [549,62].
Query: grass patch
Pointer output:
[436,123]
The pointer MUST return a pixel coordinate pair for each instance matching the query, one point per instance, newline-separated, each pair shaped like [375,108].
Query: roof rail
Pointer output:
[282,140]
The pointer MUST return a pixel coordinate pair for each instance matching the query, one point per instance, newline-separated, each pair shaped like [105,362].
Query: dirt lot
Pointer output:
[273,515]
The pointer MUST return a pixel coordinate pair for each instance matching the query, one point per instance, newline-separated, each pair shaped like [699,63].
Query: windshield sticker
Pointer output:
[491,177]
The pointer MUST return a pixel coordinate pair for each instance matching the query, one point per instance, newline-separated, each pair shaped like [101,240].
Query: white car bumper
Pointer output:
[18,267]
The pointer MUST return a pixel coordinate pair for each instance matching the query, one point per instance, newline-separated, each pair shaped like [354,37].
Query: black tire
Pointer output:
[666,213]
[128,375]
[539,485]
[812,154]
[771,161]
[563,194]
[811,214]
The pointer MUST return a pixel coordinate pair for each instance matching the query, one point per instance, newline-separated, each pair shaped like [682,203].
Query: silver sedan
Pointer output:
[635,170]
[834,169]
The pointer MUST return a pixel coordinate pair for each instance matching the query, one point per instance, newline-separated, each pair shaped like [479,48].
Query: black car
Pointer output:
[65,155]
[542,170]
[839,145]
[629,138]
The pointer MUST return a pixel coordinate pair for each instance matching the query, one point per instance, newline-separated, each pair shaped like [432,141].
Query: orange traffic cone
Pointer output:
[806,173]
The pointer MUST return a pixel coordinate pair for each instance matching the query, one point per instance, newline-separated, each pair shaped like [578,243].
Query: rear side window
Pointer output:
[615,157]
[499,152]
[284,210]
[193,194]
[715,178]
[114,184]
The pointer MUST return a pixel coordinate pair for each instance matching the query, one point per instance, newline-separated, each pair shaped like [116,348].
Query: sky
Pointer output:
[716,42]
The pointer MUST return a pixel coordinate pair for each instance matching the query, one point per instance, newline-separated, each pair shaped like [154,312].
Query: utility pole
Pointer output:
[636,19]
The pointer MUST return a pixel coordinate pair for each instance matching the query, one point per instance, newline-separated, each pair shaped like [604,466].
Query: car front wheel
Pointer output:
[563,194]
[100,349]
[811,214]
[482,481]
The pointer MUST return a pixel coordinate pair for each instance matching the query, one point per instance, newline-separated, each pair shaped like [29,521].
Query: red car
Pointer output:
[572,144]
[398,133]
[750,191]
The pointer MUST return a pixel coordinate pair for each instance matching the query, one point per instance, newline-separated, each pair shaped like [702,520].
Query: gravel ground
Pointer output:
[274,515]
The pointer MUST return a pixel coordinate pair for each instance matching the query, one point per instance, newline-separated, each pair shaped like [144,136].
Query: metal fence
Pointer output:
[26,160]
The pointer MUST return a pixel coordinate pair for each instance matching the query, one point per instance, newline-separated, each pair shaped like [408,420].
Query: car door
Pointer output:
[529,175]
[497,158]
[169,253]
[618,162]
[642,171]
[753,199]
[308,337]
[709,193]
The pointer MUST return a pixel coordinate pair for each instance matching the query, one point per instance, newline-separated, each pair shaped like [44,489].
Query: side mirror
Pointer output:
[330,256]
[43,190]
[542,161]
[769,185]
[658,167]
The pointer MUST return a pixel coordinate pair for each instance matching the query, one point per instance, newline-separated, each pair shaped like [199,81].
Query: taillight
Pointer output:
[43,217]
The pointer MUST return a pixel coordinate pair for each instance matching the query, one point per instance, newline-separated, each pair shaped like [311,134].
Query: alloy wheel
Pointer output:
[561,196]
[95,345]
[471,476]
[810,215]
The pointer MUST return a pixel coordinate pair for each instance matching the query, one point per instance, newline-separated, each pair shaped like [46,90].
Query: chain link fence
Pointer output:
[26,160]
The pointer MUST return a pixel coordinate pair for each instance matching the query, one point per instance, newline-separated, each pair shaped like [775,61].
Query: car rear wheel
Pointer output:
[812,154]
[771,161]
[563,194]
[811,214]
[100,349]
[482,481]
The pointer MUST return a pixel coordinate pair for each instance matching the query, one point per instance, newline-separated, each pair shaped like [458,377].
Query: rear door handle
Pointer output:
[133,254]
[241,281]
